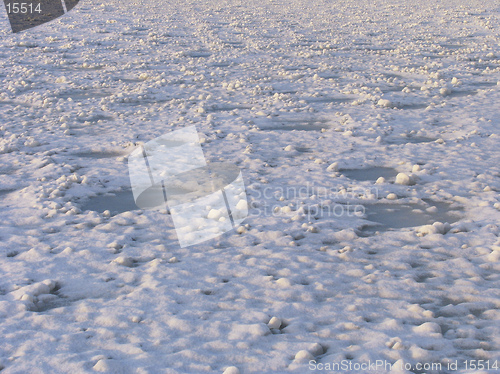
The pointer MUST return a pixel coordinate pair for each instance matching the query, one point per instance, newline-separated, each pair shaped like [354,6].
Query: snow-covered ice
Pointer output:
[366,133]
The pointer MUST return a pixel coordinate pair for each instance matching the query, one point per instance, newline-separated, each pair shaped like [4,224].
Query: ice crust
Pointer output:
[293,93]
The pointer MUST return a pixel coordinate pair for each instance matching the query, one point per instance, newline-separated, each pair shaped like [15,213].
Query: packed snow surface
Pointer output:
[367,136]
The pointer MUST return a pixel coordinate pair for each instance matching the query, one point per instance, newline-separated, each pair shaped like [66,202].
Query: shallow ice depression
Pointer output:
[83,94]
[294,124]
[123,201]
[5,192]
[409,139]
[392,216]
[115,202]
[98,154]
[370,174]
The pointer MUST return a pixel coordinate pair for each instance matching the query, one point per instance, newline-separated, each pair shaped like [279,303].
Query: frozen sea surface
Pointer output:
[367,136]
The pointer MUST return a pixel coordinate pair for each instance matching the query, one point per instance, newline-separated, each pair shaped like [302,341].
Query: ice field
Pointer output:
[367,136]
